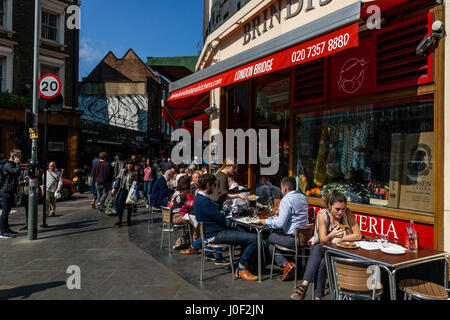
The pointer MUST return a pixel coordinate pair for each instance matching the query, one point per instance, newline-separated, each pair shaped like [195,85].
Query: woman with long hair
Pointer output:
[127,180]
[327,230]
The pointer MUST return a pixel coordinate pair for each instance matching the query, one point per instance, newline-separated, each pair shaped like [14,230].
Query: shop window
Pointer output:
[398,65]
[49,29]
[379,155]
[272,105]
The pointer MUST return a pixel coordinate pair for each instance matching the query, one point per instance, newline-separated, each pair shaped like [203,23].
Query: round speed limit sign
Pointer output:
[49,86]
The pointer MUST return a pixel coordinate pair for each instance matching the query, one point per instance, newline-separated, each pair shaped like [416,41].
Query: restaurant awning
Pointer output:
[383,4]
[328,35]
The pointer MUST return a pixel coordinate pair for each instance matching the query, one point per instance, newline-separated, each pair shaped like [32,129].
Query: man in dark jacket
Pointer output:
[102,173]
[9,183]
[161,192]
[217,227]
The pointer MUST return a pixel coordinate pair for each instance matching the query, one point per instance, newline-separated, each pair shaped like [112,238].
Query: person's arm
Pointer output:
[356,235]
[334,236]
[214,213]
[281,221]
[12,170]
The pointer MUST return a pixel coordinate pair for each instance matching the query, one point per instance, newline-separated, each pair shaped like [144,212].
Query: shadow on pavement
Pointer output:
[26,291]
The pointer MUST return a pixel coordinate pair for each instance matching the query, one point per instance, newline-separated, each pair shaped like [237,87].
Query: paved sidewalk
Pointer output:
[111,266]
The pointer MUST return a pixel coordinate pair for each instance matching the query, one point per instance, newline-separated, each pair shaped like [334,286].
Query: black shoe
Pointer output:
[221,262]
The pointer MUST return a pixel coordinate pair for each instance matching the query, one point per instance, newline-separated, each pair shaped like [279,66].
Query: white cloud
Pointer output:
[88,52]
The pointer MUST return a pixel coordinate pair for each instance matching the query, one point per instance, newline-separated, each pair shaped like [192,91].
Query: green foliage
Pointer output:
[11,100]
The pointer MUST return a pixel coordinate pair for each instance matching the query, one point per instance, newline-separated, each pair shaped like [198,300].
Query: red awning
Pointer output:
[181,109]
[318,48]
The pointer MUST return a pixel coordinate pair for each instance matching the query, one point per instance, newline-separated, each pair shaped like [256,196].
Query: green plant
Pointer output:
[11,100]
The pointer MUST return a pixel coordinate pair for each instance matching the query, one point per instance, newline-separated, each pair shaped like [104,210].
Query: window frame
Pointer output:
[57,9]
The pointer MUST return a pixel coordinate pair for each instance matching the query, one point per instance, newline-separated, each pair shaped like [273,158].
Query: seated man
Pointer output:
[293,213]
[237,204]
[267,191]
[217,229]
[161,192]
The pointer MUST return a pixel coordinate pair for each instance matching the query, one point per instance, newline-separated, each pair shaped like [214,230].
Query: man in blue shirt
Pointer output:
[217,228]
[161,193]
[293,213]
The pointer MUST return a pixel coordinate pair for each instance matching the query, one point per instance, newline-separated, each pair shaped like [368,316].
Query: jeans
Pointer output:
[102,192]
[247,240]
[122,199]
[316,269]
[7,202]
[148,190]
[278,237]
[94,190]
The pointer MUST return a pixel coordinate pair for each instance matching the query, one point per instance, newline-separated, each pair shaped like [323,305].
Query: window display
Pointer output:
[379,155]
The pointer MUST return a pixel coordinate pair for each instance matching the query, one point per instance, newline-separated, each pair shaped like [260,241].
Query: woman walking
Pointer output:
[149,177]
[127,179]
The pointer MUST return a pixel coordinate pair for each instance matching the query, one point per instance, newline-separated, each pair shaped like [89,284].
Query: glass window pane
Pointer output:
[379,155]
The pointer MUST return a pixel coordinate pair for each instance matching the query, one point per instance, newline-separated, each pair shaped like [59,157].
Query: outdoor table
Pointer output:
[391,263]
[259,229]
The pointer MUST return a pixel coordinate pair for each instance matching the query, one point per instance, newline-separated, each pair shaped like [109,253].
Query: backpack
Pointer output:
[2,177]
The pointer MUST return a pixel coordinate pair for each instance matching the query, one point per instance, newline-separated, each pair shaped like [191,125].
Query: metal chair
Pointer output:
[302,236]
[214,246]
[355,278]
[169,227]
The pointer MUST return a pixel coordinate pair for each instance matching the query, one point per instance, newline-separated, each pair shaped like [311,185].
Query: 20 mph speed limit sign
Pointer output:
[49,86]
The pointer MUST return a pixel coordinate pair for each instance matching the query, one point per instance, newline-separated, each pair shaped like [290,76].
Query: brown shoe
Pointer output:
[246,275]
[189,251]
[288,271]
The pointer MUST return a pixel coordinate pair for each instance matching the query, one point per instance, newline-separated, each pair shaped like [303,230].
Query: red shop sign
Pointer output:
[318,48]
[373,226]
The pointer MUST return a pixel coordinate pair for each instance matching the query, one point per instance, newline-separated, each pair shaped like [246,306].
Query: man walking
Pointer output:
[102,173]
[54,185]
[9,182]
[118,165]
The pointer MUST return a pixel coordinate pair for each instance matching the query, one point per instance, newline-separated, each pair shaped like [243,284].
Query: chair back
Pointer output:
[166,215]
[304,234]
[356,276]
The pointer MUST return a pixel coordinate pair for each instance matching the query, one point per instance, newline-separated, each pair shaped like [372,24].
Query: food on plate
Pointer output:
[347,245]
[343,226]
[253,197]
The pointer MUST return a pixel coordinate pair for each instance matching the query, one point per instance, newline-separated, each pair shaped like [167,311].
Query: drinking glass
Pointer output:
[412,243]
[384,240]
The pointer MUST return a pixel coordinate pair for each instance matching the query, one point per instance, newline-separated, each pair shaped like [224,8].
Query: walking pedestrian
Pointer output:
[149,178]
[122,186]
[24,182]
[54,185]
[118,165]
[103,176]
[9,182]
[93,185]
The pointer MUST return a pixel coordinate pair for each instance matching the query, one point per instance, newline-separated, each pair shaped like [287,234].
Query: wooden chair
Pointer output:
[302,236]
[422,290]
[214,246]
[352,278]
[169,227]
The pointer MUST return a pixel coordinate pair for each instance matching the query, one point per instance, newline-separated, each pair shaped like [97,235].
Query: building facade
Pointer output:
[121,105]
[357,106]
[58,54]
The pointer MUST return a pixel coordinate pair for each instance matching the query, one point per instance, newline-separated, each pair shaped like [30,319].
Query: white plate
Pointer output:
[393,250]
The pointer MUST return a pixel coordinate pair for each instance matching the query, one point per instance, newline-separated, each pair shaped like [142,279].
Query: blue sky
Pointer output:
[151,27]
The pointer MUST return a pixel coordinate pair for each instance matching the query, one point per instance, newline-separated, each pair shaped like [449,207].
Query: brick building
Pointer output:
[58,54]
[121,105]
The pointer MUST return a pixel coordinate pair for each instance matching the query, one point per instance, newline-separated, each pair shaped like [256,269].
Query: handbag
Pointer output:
[132,197]
[58,195]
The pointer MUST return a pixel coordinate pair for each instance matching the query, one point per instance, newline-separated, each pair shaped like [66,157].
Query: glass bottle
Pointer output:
[412,238]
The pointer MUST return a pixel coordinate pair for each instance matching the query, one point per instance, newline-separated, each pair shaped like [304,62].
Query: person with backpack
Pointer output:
[9,183]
